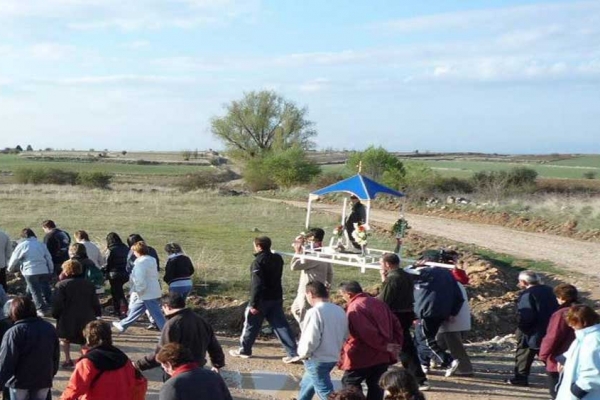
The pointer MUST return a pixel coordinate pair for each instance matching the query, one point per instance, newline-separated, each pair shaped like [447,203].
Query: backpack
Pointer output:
[95,276]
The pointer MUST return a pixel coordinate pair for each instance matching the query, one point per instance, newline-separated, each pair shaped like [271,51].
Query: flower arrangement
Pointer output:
[338,232]
[400,227]
[360,233]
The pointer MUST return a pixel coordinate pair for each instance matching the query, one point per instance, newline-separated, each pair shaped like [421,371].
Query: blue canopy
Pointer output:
[361,186]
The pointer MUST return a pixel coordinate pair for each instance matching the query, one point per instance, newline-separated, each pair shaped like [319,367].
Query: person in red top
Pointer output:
[104,372]
[374,341]
[559,334]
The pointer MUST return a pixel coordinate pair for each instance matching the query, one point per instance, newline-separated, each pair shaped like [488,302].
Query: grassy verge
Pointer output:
[215,231]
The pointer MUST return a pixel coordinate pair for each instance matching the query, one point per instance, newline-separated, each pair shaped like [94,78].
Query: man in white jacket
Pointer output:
[144,284]
[324,331]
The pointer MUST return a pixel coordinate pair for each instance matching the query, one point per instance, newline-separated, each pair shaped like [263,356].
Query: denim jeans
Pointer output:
[137,307]
[272,310]
[316,379]
[28,394]
[182,290]
[39,288]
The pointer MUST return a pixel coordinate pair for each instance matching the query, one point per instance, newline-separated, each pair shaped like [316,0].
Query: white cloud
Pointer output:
[491,19]
[132,15]
[50,51]
[122,79]
[314,85]
[136,45]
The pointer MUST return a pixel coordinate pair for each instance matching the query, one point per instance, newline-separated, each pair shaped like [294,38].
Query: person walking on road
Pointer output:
[374,341]
[398,293]
[535,306]
[33,260]
[324,331]
[266,301]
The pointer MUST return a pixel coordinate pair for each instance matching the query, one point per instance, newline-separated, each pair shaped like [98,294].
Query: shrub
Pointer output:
[186,155]
[57,176]
[499,184]
[589,175]
[290,167]
[256,176]
[99,180]
[327,178]
[378,164]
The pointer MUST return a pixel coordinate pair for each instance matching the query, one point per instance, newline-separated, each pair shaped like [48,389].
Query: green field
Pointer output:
[582,161]
[10,163]
[464,169]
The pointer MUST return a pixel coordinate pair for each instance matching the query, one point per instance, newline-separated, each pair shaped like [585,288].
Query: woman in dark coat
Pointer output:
[178,271]
[116,272]
[75,304]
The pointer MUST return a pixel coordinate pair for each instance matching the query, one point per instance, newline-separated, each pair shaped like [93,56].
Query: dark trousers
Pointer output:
[427,345]
[350,228]
[3,279]
[524,357]
[552,379]
[272,310]
[117,293]
[409,357]
[354,378]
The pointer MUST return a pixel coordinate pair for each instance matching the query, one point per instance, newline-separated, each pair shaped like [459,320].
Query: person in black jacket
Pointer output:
[266,301]
[398,293]
[188,380]
[75,304]
[29,353]
[358,215]
[535,306]
[189,329]
[58,242]
[116,272]
[437,298]
[178,271]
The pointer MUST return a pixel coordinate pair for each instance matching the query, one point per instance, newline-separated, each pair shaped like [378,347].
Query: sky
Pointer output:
[437,75]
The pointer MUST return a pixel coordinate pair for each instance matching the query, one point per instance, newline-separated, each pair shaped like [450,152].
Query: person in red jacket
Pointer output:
[374,341]
[559,334]
[104,372]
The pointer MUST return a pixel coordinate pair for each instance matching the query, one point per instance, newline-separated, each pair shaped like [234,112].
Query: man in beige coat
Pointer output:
[310,271]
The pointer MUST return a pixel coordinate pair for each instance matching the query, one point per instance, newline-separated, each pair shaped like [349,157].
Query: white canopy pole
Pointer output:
[368,211]
[308,211]
[343,223]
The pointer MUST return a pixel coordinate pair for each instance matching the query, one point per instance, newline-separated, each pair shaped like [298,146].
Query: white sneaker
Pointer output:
[425,369]
[424,386]
[290,360]
[118,327]
[237,353]
[452,368]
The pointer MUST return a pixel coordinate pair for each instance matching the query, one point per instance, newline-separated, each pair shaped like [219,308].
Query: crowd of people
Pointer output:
[416,320]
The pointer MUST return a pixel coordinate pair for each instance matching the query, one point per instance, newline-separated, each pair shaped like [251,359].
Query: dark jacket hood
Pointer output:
[107,358]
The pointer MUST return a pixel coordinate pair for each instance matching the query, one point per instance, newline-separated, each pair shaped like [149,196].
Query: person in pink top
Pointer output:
[559,334]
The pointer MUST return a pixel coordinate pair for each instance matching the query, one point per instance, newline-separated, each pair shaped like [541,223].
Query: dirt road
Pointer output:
[574,255]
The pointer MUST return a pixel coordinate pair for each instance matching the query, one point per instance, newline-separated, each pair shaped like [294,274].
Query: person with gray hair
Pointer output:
[535,306]
[530,277]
